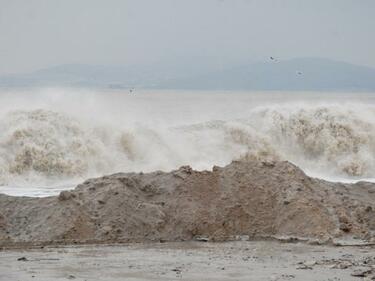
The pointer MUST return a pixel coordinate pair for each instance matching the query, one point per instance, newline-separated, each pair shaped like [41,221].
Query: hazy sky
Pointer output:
[39,33]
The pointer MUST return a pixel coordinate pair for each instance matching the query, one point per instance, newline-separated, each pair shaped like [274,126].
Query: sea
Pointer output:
[52,139]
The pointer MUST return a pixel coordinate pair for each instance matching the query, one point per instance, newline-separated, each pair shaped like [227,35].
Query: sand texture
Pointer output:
[242,201]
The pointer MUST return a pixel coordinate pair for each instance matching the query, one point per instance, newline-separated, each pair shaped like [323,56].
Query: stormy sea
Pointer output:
[52,139]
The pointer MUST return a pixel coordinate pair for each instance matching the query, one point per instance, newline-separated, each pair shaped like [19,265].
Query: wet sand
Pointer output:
[259,260]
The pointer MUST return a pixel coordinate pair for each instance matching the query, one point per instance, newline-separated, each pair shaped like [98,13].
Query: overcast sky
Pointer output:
[40,33]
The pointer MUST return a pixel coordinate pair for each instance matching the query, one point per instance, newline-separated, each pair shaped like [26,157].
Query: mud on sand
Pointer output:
[244,260]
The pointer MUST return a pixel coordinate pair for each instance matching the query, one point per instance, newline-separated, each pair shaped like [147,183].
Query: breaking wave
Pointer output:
[43,146]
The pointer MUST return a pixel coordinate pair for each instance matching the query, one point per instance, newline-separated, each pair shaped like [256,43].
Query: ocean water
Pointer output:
[52,139]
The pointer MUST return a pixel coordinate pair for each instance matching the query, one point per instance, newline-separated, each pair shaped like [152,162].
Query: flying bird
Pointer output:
[273,58]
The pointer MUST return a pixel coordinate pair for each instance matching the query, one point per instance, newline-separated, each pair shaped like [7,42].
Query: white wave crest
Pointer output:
[42,146]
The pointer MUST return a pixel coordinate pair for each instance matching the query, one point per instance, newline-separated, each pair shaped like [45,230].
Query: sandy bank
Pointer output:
[244,200]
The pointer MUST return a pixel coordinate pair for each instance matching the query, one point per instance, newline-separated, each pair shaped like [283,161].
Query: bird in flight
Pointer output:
[273,58]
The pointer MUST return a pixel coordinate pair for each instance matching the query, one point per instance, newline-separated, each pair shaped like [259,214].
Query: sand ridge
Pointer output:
[244,200]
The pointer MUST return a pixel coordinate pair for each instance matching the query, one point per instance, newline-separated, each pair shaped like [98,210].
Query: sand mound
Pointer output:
[244,199]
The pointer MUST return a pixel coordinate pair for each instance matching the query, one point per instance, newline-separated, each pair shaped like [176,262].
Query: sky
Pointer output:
[35,34]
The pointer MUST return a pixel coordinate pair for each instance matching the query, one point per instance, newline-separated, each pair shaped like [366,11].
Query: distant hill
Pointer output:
[296,74]
[78,75]
[311,74]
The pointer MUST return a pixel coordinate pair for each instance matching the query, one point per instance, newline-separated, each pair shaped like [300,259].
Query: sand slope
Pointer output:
[244,200]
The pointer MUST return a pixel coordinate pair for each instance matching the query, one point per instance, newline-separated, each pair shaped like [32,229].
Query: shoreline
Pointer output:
[241,260]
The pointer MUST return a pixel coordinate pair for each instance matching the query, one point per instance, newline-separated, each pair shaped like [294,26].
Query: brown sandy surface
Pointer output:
[256,260]
[244,200]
